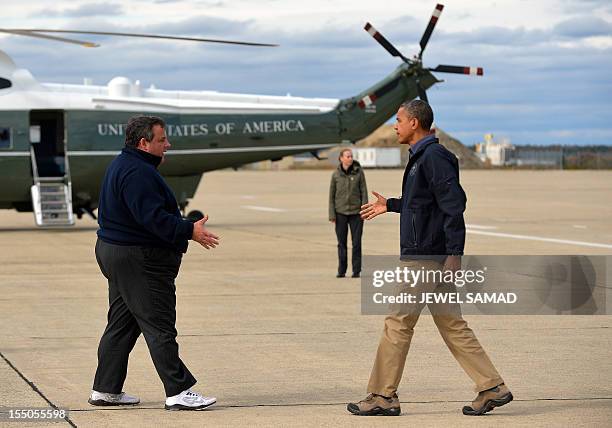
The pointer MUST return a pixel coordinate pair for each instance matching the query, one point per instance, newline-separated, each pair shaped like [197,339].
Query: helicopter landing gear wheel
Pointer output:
[194,216]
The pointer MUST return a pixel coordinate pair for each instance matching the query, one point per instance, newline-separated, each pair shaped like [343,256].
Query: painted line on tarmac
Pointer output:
[34,388]
[480,226]
[243,406]
[303,333]
[525,400]
[266,209]
[540,238]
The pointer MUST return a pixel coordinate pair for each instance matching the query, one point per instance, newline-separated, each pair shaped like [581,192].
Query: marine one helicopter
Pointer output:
[56,140]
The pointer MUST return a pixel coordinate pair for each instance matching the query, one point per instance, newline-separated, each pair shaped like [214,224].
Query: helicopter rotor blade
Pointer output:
[384,42]
[32,31]
[456,69]
[422,93]
[28,33]
[430,27]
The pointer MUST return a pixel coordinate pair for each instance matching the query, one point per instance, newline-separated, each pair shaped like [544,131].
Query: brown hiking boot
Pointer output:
[488,400]
[374,405]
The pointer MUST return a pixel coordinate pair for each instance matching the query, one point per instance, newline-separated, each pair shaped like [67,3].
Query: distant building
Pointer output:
[378,157]
[497,154]
[503,153]
[543,157]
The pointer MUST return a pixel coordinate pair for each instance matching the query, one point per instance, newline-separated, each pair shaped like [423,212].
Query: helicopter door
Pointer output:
[52,189]
[47,139]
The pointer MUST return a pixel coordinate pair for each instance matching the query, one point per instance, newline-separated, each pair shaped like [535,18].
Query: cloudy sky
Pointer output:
[548,63]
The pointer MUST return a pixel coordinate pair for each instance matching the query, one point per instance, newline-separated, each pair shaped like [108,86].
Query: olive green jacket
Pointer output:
[347,191]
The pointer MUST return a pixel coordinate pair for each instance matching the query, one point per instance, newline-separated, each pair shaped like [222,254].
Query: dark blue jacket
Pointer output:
[432,204]
[137,207]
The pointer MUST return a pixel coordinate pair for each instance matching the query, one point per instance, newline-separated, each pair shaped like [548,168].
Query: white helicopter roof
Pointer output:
[121,94]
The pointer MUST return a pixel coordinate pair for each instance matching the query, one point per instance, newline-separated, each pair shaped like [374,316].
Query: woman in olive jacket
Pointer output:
[347,193]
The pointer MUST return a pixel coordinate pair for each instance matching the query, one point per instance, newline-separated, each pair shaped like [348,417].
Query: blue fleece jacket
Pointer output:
[137,207]
[431,205]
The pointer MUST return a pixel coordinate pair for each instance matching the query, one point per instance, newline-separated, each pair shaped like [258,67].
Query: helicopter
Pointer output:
[56,140]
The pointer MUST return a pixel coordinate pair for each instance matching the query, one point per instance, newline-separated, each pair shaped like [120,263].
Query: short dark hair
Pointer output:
[141,127]
[421,111]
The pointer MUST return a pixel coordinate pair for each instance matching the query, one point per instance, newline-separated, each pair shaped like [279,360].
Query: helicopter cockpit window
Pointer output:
[5,138]
[5,83]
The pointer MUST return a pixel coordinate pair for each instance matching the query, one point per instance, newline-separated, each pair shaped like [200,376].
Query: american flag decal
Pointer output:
[367,101]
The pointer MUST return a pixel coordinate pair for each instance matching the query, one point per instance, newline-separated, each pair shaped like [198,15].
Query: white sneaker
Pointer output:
[189,400]
[105,399]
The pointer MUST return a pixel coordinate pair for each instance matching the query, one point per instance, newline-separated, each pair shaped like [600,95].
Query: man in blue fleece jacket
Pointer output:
[141,240]
[432,236]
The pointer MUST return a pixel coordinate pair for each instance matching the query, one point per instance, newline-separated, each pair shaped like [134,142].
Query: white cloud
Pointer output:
[546,63]
[85,10]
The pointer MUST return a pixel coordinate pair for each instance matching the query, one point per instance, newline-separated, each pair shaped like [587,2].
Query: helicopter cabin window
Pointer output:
[6,142]
[35,134]
[5,83]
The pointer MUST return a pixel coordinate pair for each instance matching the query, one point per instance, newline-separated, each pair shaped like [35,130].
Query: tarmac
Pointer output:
[267,328]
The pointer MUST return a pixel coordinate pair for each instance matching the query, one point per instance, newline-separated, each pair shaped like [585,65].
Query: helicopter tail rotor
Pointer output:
[415,65]
[457,69]
[384,42]
[430,27]
[422,93]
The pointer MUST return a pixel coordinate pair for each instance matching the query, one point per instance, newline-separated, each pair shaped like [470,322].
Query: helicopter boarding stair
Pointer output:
[52,197]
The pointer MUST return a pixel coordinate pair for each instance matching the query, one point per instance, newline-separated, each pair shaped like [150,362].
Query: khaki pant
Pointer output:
[399,328]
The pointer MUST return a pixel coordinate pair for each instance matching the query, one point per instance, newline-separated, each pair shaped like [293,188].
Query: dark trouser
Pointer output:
[141,296]
[342,224]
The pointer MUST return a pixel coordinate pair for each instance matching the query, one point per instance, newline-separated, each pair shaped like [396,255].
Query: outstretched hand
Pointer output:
[201,235]
[372,209]
[452,263]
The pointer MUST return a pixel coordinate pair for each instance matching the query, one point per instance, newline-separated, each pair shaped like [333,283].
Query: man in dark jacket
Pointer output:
[347,193]
[141,240]
[432,236]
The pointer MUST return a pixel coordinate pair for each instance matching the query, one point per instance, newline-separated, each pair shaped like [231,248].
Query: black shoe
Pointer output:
[356,275]
[340,275]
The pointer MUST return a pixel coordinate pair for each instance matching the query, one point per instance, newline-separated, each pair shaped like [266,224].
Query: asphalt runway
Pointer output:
[267,328]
